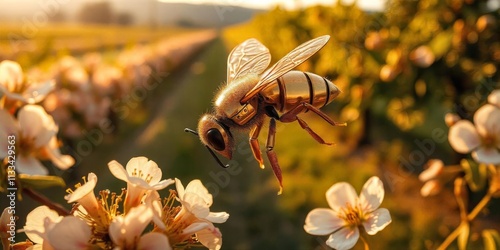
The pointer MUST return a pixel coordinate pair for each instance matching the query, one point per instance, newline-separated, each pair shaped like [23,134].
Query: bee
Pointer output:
[250,97]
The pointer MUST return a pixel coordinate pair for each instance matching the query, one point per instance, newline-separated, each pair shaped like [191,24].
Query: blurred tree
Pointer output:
[124,18]
[96,12]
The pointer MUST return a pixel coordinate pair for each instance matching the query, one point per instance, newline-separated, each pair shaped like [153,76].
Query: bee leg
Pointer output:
[291,116]
[254,144]
[271,155]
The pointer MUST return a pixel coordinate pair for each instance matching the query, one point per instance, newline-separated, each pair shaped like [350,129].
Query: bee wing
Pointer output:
[251,56]
[287,63]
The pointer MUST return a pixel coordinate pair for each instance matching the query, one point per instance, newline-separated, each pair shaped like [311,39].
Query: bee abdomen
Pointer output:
[296,87]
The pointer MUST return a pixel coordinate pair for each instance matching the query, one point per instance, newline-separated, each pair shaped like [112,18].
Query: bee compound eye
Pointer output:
[215,139]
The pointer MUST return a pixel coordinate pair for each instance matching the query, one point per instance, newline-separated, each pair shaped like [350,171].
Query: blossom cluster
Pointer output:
[34,129]
[91,89]
[480,138]
[117,221]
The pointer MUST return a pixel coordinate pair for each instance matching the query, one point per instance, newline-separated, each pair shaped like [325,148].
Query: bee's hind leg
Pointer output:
[271,155]
[254,144]
[291,116]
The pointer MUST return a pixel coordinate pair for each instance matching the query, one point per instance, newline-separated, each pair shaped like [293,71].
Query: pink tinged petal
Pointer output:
[210,238]
[322,221]
[196,205]
[343,239]
[163,184]
[153,201]
[434,169]
[196,226]
[85,196]
[487,122]
[135,164]
[36,92]
[372,194]
[179,187]
[36,124]
[70,233]
[35,222]
[341,194]
[487,155]
[377,221]
[152,170]
[195,186]
[26,164]
[494,98]
[431,188]
[8,127]
[154,241]
[125,230]
[463,137]
[219,217]
[11,75]
[61,161]
[118,171]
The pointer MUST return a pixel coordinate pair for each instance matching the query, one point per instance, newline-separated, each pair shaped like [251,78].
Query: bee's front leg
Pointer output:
[271,155]
[254,144]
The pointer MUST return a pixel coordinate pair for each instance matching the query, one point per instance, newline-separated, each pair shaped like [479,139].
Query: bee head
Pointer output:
[216,135]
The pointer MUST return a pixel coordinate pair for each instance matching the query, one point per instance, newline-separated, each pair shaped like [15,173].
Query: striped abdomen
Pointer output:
[296,87]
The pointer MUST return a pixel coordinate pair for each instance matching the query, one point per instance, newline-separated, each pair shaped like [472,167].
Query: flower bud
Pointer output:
[422,56]
[451,119]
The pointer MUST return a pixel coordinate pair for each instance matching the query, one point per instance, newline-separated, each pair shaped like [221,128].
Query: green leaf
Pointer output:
[441,43]
[475,174]
[40,181]
[463,237]
[491,239]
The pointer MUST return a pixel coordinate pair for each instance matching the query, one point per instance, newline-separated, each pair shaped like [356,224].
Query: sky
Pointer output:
[288,4]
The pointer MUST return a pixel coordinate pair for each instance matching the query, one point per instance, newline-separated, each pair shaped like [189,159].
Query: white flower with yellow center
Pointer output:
[141,175]
[16,88]
[482,137]
[348,212]
[35,136]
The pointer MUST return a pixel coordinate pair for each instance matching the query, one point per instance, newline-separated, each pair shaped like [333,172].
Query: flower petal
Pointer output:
[341,194]
[30,165]
[153,241]
[163,184]
[372,194]
[494,97]
[463,137]
[179,187]
[434,169]
[196,205]
[377,221]
[61,161]
[210,237]
[124,230]
[345,238]
[11,75]
[195,186]
[219,217]
[487,155]
[322,221]
[118,170]
[431,188]
[8,127]
[196,226]
[70,233]
[36,124]
[487,120]
[37,92]
[135,163]
[34,227]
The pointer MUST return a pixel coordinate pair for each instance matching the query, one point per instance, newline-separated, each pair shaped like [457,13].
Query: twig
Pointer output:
[45,201]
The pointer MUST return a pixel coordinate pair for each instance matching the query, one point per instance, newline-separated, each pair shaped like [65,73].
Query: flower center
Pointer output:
[352,215]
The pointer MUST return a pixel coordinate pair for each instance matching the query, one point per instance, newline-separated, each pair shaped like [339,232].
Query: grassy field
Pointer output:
[41,45]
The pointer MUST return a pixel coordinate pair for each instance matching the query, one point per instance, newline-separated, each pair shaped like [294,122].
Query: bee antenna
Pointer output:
[216,158]
[209,149]
[191,131]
